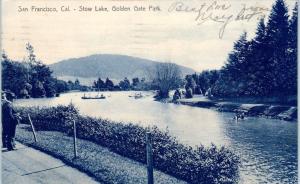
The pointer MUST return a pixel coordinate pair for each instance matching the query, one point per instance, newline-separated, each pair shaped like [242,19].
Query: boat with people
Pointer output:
[136,95]
[93,97]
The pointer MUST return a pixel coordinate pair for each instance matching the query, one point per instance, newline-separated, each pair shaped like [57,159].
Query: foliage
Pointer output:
[135,81]
[265,66]
[32,78]
[207,79]
[76,86]
[54,118]
[109,84]
[194,165]
[50,87]
[142,84]
[189,93]
[201,83]
[191,84]
[292,52]
[125,84]
[234,69]
[38,89]
[166,76]
[177,95]
[99,84]
[27,78]
[61,86]
[14,76]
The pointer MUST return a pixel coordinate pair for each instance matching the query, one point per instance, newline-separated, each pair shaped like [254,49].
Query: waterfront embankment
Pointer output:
[283,112]
[220,164]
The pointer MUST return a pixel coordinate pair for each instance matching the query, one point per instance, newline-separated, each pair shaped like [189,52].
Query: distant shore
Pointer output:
[283,112]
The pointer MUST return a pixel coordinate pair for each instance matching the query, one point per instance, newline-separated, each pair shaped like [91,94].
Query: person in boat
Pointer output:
[239,115]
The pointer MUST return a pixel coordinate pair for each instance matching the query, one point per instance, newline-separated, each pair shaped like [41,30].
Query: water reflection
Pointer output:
[268,147]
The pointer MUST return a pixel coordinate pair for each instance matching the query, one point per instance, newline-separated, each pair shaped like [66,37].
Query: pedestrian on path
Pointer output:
[10,119]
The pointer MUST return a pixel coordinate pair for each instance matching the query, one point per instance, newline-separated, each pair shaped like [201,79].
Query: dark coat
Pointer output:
[8,114]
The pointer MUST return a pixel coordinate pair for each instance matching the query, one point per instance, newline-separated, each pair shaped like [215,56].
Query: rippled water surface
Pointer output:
[268,147]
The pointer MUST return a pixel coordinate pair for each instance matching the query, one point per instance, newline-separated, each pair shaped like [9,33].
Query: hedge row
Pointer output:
[194,165]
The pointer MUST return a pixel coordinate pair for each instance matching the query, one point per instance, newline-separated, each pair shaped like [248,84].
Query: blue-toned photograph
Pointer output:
[149,92]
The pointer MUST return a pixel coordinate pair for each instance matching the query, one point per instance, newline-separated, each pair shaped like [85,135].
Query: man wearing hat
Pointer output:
[10,120]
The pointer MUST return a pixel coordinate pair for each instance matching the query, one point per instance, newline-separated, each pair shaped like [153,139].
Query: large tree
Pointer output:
[109,84]
[166,76]
[14,76]
[292,53]
[277,34]
[40,75]
[124,84]
[206,80]
[191,83]
[258,72]
[99,84]
[265,65]
[233,74]
[30,77]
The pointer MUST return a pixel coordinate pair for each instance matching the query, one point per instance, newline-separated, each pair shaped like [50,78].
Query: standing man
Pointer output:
[10,120]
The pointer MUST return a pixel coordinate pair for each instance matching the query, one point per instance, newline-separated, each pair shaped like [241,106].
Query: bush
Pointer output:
[189,93]
[194,165]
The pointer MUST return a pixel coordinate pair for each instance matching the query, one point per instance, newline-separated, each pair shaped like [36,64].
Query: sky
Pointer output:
[173,34]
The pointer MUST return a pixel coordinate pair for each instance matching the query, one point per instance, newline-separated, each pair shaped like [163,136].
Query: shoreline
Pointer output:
[129,140]
[282,112]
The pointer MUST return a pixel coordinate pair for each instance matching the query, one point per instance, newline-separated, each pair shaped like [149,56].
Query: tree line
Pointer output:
[32,78]
[124,85]
[265,66]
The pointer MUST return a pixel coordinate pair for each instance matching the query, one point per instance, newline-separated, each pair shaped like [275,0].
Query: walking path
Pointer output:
[27,165]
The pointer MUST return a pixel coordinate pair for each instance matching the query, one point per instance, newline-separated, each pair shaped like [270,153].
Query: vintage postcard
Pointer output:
[149,91]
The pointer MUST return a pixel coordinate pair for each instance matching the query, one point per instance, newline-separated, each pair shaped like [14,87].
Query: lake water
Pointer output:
[267,147]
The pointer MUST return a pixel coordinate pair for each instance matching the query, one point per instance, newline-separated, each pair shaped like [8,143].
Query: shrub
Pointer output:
[189,93]
[194,165]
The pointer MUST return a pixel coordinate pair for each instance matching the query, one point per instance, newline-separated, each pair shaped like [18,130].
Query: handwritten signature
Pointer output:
[220,13]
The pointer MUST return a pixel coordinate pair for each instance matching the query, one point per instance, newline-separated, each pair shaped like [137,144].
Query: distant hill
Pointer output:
[116,67]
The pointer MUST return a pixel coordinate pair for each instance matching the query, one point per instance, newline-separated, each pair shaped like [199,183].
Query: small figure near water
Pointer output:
[239,115]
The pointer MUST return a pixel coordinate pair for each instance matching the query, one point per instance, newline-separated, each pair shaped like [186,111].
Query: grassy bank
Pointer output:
[194,165]
[97,161]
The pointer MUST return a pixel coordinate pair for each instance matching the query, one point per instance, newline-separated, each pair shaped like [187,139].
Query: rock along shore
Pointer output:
[288,113]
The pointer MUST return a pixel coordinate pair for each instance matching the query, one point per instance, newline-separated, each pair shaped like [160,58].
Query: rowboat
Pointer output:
[95,97]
